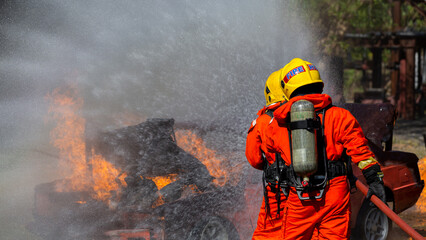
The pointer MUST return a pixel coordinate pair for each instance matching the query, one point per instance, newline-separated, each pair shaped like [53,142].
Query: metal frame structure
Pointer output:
[406,62]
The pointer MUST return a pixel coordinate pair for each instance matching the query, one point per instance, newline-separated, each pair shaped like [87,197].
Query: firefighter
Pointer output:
[270,218]
[319,203]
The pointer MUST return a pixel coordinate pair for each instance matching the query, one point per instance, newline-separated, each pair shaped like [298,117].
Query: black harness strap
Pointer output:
[269,113]
[265,190]
[271,177]
[278,192]
[309,124]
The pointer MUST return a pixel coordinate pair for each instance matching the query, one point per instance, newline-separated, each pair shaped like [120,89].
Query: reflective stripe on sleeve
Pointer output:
[364,163]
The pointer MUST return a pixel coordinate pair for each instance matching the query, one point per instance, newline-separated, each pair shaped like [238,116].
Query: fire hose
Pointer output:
[392,215]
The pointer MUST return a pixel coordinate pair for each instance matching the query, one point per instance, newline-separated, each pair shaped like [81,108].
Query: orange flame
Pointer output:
[89,171]
[162,181]
[421,203]
[68,137]
[194,145]
[104,175]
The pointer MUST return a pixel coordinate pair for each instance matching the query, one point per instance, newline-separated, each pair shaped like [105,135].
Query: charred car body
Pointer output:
[191,206]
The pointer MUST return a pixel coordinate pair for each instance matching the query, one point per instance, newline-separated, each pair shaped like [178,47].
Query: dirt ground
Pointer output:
[416,219]
[409,137]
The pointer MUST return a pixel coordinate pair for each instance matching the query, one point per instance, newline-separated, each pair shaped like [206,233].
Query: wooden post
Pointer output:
[402,86]
[410,100]
[396,15]
[395,54]
[394,63]
[419,69]
[377,68]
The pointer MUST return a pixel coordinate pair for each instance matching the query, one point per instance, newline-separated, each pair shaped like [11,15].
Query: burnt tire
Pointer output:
[372,223]
[213,228]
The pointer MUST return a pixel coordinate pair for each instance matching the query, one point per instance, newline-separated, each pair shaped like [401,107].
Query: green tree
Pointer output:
[329,20]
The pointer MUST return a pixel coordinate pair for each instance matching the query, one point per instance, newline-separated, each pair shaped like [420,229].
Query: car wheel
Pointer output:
[373,224]
[214,228]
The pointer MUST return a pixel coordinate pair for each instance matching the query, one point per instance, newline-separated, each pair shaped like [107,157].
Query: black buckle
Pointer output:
[310,124]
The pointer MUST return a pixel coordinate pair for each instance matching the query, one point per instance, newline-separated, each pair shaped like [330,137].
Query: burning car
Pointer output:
[162,191]
[166,184]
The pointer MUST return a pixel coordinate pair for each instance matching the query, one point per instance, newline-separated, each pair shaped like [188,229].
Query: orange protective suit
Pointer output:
[268,226]
[329,215]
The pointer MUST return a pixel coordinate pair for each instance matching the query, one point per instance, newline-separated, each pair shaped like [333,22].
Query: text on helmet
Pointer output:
[297,70]
[312,67]
[293,73]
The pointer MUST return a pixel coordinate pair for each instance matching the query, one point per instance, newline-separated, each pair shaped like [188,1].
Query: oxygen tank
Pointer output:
[303,141]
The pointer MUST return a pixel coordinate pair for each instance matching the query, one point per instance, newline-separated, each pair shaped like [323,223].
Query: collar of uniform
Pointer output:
[271,106]
[320,101]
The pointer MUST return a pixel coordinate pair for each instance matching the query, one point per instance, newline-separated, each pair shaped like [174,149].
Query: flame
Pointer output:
[194,145]
[104,175]
[67,137]
[421,203]
[162,181]
[93,173]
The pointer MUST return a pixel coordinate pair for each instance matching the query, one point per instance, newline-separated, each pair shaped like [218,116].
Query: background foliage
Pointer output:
[331,19]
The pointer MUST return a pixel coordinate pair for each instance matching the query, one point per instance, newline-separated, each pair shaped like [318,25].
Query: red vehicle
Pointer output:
[402,180]
[210,212]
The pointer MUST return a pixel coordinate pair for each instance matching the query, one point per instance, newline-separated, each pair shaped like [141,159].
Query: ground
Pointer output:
[416,219]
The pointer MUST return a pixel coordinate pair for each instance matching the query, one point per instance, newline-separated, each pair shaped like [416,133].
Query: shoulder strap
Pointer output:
[270,113]
[325,109]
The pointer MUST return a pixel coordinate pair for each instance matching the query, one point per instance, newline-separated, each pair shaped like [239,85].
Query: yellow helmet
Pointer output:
[273,90]
[298,73]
